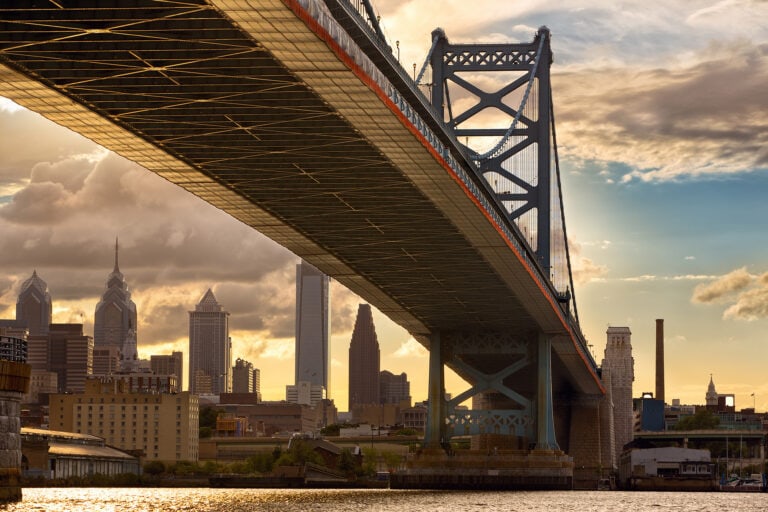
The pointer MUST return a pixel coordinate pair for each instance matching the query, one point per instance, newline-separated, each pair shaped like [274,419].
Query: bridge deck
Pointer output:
[259,111]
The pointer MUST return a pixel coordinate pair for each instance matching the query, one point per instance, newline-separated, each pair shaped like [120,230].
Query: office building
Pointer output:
[34,307]
[304,393]
[115,318]
[394,389]
[162,426]
[364,360]
[66,351]
[312,326]
[106,360]
[165,364]
[210,348]
[245,378]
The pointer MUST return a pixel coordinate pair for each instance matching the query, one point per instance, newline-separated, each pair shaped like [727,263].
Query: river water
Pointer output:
[304,500]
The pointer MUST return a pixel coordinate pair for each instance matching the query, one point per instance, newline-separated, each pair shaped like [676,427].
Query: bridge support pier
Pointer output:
[511,421]
[433,437]
[545,423]
[14,381]
[590,440]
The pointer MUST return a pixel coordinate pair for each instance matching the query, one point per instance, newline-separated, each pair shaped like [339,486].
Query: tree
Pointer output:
[208,415]
[299,454]
[154,468]
[347,463]
[702,420]
[262,462]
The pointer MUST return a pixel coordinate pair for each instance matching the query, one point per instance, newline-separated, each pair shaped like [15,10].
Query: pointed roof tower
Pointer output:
[115,313]
[208,303]
[34,282]
[34,308]
[711,396]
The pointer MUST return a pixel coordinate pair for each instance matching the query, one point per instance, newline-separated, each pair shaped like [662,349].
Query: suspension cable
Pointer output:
[511,129]
[562,208]
[426,61]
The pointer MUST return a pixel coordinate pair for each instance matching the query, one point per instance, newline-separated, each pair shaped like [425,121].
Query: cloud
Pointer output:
[747,295]
[668,124]
[750,305]
[410,348]
[585,271]
[722,287]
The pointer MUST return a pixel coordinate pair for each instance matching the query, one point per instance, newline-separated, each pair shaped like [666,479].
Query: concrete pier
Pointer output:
[14,382]
[486,470]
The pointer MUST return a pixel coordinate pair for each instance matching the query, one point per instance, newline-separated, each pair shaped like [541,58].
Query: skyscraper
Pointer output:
[364,360]
[115,319]
[312,325]
[210,348]
[33,307]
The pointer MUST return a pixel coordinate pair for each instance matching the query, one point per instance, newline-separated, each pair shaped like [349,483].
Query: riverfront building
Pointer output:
[162,426]
[53,454]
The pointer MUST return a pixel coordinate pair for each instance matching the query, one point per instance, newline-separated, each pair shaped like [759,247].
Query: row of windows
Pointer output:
[124,400]
[112,408]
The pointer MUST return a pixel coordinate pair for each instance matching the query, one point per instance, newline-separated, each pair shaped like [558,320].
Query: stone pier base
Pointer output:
[486,470]
[14,382]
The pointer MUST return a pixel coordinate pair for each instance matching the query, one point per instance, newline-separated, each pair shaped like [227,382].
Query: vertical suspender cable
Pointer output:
[562,208]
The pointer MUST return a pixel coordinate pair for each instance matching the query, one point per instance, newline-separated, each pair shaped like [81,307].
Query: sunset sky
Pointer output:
[662,122]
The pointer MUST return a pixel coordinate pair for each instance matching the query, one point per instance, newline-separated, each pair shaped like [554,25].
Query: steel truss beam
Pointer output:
[459,64]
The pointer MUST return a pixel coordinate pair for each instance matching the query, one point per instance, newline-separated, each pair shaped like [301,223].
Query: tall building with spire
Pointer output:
[115,319]
[210,348]
[711,397]
[364,360]
[34,307]
[312,326]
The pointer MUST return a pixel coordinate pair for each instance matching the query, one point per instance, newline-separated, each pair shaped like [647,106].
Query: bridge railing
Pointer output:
[13,349]
[372,53]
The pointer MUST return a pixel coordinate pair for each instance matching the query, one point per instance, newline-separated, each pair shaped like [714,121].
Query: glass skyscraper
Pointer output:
[312,326]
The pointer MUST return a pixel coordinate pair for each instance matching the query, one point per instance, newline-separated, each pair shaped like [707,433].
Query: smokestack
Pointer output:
[660,359]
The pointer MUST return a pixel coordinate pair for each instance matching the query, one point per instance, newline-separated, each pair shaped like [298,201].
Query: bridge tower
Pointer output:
[505,131]
[507,134]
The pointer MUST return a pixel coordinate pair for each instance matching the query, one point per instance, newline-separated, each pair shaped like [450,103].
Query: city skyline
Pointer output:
[664,164]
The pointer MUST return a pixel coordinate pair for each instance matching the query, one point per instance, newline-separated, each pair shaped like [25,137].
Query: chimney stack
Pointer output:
[660,359]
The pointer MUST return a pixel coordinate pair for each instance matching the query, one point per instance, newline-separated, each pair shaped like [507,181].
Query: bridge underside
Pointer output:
[184,79]
[254,111]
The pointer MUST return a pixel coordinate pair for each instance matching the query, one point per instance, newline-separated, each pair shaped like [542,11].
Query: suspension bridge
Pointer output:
[296,118]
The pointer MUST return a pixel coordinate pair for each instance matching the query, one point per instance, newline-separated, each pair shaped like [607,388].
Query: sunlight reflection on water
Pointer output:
[304,500]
